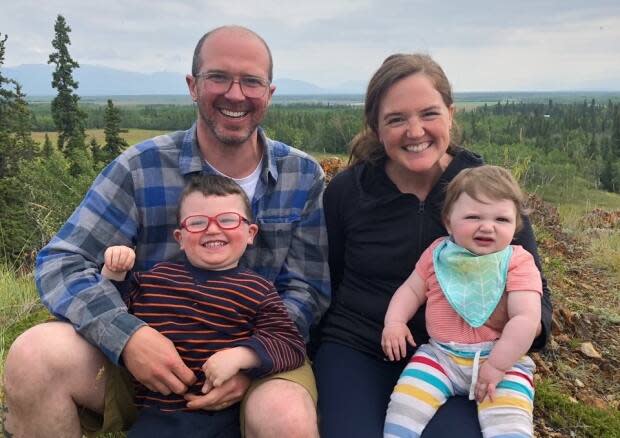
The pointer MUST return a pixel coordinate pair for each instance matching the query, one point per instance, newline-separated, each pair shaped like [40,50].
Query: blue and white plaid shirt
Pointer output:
[133,202]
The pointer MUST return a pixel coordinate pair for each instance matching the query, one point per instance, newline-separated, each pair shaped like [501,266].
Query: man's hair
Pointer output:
[214,185]
[197,61]
[492,182]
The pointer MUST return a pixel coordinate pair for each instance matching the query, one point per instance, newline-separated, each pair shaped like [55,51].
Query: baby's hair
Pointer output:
[492,182]
[214,185]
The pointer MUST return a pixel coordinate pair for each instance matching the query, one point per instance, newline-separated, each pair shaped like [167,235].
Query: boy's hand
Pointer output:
[231,392]
[394,340]
[119,258]
[226,363]
[488,379]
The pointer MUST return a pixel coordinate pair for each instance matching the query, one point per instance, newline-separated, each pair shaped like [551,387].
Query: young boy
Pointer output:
[220,317]
[482,311]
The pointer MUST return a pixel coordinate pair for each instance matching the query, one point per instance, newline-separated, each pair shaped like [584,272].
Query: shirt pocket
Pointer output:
[271,246]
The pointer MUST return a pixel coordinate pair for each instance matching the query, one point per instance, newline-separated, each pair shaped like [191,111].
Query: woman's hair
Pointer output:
[366,147]
[492,182]
[213,185]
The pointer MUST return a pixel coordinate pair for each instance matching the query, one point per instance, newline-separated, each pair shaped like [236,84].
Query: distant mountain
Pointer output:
[98,81]
[103,81]
[291,86]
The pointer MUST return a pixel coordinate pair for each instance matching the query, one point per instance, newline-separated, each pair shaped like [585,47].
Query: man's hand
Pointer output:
[394,340]
[152,359]
[488,378]
[229,393]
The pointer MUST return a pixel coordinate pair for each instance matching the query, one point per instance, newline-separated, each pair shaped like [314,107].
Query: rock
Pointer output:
[579,383]
[601,404]
[588,349]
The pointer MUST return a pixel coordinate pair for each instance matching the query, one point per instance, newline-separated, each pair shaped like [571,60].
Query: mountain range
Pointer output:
[94,80]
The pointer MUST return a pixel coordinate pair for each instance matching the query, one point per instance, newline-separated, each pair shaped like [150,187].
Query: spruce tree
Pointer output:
[48,148]
[68,117]
[615,134]
[16,144]
[114,143]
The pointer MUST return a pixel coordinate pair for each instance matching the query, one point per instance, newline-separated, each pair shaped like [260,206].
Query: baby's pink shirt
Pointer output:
[445,325]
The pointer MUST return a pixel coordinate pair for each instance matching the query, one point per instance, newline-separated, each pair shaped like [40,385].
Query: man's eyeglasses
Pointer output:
[226,221]
[220,83]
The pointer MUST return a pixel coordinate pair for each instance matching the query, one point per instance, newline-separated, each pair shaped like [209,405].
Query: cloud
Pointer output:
[481,43]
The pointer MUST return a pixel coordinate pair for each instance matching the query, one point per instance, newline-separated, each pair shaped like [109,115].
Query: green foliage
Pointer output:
[37,201]
[114,143]
[578,418]
[317,128]
[15,141]
[68,118]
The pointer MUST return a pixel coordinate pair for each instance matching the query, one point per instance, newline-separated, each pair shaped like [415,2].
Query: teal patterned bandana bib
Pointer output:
[472,284]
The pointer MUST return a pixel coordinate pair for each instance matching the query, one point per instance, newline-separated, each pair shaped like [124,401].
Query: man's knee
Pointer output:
[280,408]
[48,354]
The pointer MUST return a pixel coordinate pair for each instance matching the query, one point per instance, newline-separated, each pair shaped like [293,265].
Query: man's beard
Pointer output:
[228,140]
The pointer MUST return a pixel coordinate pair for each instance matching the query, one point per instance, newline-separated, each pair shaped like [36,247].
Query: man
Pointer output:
[60,376]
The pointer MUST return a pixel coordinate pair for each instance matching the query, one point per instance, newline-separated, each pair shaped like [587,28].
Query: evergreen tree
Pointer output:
[97,151]
[614,149]
[48,147]
[68,117]
[16,143]
[114,143]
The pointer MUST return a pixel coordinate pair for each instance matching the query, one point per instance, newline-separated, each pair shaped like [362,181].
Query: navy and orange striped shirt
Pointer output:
[203,312]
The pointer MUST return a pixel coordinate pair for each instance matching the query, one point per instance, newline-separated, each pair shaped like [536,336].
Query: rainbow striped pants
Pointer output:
[438,371]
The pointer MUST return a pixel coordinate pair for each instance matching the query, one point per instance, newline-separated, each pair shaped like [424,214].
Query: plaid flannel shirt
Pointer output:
[133,202]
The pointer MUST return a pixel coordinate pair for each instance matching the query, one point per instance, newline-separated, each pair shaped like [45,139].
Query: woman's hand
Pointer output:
[394,340]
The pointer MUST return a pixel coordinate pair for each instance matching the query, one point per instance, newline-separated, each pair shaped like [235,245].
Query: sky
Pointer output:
[547,45]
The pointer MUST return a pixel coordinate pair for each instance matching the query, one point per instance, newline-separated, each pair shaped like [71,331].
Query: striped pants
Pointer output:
[438,371]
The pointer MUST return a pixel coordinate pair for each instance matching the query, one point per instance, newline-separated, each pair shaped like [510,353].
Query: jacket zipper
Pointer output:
[420,225]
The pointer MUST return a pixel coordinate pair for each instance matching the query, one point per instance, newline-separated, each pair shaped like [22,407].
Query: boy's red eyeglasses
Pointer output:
[200,222]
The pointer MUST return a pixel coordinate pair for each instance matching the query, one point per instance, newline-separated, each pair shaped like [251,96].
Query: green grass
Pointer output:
[132,136]
[574,419]
[20,309]
[577,198]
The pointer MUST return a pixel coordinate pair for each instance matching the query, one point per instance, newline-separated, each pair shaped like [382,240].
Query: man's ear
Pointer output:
[272,89]
[252,231]
[191,85]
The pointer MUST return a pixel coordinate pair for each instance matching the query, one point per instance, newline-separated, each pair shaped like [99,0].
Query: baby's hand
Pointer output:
[119,258]
[488,378]
[394,340]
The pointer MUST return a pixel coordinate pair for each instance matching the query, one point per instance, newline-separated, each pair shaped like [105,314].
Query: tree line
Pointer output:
[40,184]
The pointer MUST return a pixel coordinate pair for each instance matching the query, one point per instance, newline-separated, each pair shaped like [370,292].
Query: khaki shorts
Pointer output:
[120,412]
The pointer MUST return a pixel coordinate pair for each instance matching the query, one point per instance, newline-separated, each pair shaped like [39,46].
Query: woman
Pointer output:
[382,212]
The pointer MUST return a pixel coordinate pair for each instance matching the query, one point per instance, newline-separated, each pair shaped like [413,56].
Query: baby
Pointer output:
[482,313]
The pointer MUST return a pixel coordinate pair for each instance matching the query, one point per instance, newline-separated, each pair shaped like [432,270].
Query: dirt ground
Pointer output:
[583,355]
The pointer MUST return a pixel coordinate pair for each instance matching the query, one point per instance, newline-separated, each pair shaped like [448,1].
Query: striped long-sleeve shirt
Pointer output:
[203,312]
[133,203]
